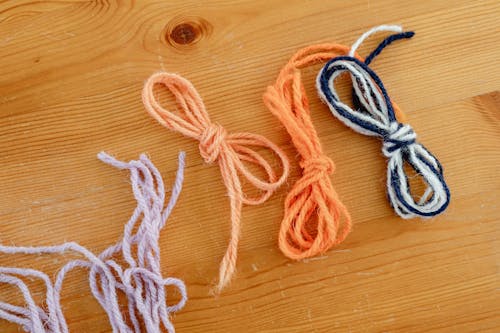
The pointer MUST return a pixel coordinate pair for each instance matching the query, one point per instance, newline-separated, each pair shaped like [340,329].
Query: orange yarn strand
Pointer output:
[314,218]
[215,144]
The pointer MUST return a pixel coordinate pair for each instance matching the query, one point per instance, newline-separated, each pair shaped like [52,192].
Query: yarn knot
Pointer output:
[211,141]
[318,165]
[398,137]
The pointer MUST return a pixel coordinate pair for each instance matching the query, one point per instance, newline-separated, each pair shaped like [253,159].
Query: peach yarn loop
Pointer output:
[230,150]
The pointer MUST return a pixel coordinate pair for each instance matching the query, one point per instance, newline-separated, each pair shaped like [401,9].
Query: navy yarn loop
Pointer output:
[375,117]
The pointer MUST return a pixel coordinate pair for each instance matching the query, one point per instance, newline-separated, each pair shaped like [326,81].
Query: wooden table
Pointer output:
[71,76]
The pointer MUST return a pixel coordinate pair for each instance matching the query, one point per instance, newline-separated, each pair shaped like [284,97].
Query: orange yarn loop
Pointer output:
[215,144]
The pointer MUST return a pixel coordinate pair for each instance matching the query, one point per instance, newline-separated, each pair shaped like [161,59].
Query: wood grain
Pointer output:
[71,74]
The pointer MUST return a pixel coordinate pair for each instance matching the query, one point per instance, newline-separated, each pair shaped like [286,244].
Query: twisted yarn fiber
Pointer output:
[215,144]
[314,218]
[376,117]
[141,282]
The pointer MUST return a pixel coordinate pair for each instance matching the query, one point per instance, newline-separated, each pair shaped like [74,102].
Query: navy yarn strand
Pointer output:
[386,42]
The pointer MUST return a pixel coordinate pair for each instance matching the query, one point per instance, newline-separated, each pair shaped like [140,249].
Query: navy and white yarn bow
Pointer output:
[375,116]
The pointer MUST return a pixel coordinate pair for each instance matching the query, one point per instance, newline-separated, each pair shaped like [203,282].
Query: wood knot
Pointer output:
[184,33]
[181,31]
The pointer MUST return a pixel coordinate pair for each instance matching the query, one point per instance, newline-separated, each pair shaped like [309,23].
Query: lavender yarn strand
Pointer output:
[141,281]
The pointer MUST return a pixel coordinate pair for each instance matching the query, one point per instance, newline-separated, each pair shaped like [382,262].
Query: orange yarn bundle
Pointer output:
[230,150]
[314,218]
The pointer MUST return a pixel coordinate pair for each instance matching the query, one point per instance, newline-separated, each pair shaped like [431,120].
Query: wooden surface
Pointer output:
[71,75]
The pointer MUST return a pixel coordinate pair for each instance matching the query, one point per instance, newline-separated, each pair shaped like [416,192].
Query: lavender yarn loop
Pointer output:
[141,281]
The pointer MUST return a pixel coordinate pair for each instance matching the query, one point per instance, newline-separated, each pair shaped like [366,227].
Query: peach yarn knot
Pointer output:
[211,142]
[215,144]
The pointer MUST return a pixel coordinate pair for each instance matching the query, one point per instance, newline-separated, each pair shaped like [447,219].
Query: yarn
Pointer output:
[314,218]
[376,117]
[215,144]
[141,281]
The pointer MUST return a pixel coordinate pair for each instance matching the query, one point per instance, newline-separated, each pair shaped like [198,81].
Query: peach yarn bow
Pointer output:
[215,144]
